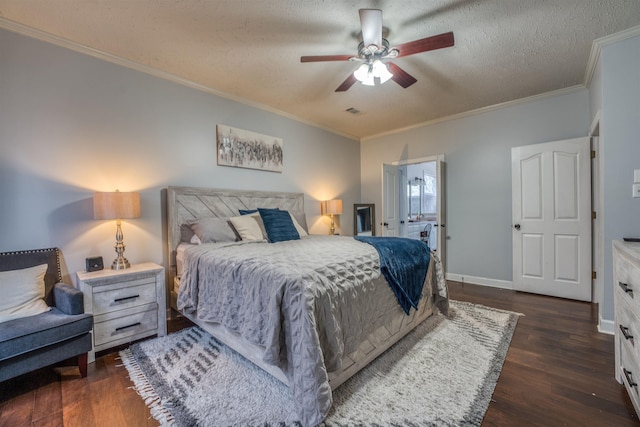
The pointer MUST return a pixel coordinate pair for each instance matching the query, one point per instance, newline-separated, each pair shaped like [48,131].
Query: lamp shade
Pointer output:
[116,205]
[331,207]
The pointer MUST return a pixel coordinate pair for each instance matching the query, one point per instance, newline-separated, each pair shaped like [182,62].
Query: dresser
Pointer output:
[626,276]
[127,305]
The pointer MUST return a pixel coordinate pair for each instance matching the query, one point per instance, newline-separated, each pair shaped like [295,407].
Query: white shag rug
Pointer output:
[443,373]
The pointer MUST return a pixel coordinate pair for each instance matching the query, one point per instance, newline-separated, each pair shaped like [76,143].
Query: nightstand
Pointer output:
[127,305]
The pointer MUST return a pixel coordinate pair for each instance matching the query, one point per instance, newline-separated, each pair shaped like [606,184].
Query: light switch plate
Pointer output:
[636,175]
[636,190]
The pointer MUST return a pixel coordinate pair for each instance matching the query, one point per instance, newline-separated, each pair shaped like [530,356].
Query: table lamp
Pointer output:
[332,207]
[117,205]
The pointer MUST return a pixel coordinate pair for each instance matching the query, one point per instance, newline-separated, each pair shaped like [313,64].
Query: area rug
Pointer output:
[443,373]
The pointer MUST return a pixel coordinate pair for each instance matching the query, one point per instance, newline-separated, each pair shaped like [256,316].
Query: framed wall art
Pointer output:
[244,149]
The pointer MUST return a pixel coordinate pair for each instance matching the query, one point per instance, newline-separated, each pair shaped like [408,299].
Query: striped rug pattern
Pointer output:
[441,374]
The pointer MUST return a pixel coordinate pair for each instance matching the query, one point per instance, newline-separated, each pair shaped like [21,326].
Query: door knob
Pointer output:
[442,225]
[386,224]
[517,226]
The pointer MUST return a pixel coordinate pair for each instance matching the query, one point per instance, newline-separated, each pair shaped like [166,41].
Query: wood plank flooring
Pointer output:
[558,372]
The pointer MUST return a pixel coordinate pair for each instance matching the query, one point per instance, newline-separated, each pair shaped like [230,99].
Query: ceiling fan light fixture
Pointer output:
[364,75]
[380,70]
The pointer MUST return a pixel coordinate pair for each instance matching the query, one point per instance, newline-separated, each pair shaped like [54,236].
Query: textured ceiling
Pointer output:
[504,49]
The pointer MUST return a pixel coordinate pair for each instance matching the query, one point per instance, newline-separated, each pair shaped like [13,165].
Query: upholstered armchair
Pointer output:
[63,332]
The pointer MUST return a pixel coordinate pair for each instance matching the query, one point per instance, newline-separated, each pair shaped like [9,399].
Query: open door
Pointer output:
[441,213]
[390,201]
[551,196]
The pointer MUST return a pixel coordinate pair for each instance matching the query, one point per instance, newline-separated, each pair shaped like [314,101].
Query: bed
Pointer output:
[311,311]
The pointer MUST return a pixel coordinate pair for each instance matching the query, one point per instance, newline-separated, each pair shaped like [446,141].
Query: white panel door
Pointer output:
[551,208]
[390,200]
[441,232]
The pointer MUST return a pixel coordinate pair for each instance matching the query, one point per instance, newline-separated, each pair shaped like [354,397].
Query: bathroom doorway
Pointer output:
[408,204]
[419,202]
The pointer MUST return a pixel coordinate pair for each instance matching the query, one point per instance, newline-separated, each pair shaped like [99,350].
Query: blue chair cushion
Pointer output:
[24,335]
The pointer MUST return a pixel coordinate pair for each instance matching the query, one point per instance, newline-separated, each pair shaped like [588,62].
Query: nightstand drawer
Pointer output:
[123,295]
[126,326]
[127,305]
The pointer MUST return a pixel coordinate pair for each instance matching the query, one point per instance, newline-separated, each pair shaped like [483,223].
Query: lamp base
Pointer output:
[120,264]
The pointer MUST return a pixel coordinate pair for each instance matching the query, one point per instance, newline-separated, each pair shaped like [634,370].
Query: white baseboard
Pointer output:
[494,283]
[606,326]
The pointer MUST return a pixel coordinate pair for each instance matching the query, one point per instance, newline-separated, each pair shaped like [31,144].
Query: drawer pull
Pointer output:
[128,326]
[625,332]
[126,298]
[627,374]
[626,288]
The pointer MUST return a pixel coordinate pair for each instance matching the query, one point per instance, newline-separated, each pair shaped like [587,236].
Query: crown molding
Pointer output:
[118,60]
[598,44]
[594,56]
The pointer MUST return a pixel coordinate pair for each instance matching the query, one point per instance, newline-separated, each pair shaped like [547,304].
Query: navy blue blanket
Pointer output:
[404,263]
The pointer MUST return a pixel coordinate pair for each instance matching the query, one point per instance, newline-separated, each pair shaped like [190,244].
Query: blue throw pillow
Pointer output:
[278,225]
[247,211]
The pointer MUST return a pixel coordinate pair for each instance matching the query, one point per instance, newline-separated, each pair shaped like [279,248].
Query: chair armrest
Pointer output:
[68,299]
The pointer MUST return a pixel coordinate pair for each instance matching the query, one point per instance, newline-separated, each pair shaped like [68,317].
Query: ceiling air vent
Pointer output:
[352,110]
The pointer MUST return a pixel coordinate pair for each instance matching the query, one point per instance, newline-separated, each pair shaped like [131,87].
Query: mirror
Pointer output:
[364,219]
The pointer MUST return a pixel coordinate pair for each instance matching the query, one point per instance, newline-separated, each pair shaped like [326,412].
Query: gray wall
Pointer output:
[71,124]
[477,151]
[620,138]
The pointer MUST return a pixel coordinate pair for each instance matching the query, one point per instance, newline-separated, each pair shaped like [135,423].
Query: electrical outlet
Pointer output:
[636,190]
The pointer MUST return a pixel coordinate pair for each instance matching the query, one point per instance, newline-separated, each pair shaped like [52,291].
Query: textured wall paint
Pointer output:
[71,124]
[477,151]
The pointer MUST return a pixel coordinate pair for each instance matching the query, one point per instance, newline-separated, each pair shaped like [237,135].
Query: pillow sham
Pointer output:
[22,293]
[278,225]
[212,230]
[301,231]
[301,218]
[248,226]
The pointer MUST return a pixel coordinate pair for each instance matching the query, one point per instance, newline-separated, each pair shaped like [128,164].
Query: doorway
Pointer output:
[419,202]
[409,205]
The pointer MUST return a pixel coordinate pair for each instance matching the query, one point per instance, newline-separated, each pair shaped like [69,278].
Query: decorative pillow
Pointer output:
[22,293]
[248,226]
[301,231]
[279,225]
[301,218]
[247,211]
[212,230]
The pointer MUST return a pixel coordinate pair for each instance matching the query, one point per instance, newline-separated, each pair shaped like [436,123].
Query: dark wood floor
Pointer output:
[558,372]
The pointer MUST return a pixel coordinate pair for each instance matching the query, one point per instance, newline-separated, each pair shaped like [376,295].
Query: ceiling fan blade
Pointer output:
[347,83]
[371,24]
[320,58]
[400,76]
[426,44]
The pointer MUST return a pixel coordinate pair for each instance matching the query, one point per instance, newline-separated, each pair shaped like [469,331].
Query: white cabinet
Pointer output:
[127,305]
[626,267]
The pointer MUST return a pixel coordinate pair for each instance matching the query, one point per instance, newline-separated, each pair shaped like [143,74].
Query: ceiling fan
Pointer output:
[375,55]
